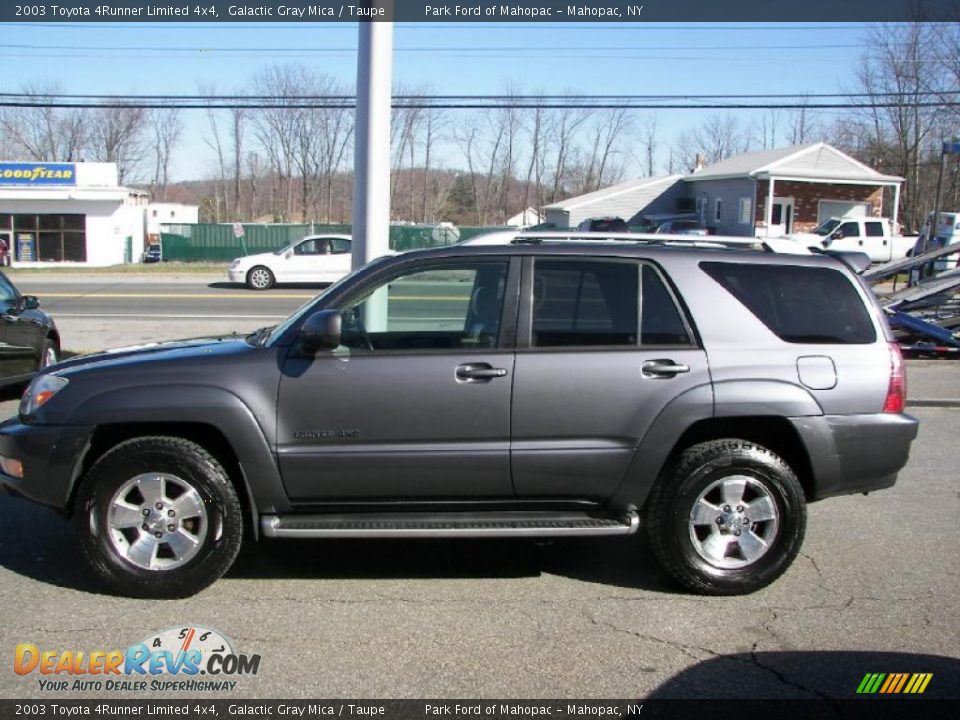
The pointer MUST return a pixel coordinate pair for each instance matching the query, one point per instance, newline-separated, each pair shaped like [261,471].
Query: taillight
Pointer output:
[897,390]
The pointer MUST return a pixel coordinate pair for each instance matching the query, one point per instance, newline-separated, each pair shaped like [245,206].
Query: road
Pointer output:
[104,311]
[159,298]
[876,589]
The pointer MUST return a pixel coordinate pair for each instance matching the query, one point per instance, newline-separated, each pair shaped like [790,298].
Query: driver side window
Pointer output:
[448,307]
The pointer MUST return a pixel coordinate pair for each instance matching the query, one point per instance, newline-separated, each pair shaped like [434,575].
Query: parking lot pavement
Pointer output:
[875,590]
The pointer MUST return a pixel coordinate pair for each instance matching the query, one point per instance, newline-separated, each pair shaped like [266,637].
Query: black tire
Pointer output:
[260,277]
[683,546]
[49,354]
[216,546]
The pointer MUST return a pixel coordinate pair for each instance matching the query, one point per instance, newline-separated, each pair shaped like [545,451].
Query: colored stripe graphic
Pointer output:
[894,683]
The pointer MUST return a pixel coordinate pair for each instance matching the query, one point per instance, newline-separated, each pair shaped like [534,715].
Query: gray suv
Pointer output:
[536,389]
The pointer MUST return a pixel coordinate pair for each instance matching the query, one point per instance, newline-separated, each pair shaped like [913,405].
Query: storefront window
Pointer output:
[49,238]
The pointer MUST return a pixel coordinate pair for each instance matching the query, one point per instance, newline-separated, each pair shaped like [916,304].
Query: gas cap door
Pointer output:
[817,372]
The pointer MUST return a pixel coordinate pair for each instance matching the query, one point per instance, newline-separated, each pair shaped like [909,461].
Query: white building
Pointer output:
[69,213]
[169,213]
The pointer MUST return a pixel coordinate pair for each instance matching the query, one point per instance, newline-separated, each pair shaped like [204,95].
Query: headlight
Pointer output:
[40,391]
[235,264]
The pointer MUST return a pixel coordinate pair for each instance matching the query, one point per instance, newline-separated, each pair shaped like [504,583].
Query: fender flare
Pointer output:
[211,406]
[737,398]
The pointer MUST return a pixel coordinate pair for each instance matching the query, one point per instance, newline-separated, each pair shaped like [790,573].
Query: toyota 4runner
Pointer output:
[535,389]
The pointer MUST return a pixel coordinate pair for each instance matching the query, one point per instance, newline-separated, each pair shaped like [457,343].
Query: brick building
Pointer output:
[774,192]
[793,189]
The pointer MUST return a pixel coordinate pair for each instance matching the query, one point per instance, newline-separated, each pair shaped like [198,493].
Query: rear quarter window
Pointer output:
[799,304]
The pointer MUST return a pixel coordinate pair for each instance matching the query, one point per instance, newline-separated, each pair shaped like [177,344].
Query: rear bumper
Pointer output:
[855,453]
[50,456]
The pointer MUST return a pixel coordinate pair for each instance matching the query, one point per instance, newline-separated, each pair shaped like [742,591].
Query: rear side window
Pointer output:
[874,229]
[595,304]
[577,304]
[798,304]
[660,319]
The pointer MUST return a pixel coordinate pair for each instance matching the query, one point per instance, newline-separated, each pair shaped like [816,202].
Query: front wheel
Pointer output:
[730,520]
[260,278]
[158,517]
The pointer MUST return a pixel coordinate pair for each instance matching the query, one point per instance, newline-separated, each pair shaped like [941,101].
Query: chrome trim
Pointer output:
[272,526]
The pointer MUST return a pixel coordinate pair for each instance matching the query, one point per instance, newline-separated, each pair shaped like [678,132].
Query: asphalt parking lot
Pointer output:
[875,590]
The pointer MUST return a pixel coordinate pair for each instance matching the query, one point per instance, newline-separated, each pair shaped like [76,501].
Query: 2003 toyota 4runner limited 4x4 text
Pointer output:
[531,389]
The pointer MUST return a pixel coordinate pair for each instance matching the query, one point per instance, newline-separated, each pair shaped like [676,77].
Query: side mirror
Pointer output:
[837,235]
[30,302]
[321,331]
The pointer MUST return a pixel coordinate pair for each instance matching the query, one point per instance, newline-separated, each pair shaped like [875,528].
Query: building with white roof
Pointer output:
[69,213]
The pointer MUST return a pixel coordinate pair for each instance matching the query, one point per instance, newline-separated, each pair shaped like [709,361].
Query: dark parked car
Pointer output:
[29,340]
[603,224]
[683,227]
[153,254]
[517,390]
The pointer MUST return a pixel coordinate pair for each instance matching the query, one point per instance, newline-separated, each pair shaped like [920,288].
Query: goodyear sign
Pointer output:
[19,173]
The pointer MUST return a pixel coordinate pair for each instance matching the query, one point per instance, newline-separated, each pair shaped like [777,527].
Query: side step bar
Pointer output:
[448,524]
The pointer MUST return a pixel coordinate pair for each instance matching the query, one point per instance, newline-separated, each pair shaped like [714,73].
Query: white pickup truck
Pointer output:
[872,236]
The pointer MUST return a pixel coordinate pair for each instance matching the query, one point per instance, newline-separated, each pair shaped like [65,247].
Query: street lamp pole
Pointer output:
[371,154]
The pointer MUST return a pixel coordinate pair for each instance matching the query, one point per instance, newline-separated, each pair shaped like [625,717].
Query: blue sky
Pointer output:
[450,58]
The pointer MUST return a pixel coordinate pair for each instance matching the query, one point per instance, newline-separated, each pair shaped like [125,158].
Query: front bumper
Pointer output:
[51,457]
[237,276]
[855,453]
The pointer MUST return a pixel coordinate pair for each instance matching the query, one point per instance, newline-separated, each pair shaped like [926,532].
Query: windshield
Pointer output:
[828,227]
[293,319]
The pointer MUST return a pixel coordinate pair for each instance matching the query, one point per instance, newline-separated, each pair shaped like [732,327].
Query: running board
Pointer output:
[449,524]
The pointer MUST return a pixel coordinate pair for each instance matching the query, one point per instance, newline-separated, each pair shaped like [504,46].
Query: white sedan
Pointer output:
[314,259]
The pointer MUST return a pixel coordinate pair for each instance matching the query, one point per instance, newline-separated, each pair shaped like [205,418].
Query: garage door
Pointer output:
[841,209]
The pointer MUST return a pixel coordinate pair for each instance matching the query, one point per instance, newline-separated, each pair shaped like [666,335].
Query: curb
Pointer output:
[933,402]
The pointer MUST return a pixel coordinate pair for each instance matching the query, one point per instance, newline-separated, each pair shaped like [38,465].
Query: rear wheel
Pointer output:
[158,517]
[730,520]
[260,278]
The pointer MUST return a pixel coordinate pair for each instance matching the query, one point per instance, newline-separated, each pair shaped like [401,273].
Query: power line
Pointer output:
[294,104]
[108,98]
[432,49]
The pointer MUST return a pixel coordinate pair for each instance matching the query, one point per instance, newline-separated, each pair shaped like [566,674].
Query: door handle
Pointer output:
[478,372]
[663,368]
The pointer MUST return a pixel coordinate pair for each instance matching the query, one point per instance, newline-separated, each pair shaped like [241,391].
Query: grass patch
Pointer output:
[166,268]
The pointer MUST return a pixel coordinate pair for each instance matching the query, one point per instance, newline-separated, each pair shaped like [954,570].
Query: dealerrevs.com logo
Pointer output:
[172,659]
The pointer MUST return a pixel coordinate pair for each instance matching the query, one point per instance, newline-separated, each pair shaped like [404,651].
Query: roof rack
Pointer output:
[717,242]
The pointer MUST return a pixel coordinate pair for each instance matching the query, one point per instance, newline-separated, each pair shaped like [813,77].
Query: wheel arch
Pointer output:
[759,412]
[776,433]
[207,436]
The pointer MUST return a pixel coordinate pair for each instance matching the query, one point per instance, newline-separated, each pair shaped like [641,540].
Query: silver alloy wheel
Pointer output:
[157,521]
[260,278]
[734,522]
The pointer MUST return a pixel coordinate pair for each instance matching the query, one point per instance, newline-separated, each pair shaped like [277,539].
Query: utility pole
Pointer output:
[371,154]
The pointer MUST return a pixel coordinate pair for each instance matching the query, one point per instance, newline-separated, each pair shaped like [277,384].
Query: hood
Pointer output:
[153,352]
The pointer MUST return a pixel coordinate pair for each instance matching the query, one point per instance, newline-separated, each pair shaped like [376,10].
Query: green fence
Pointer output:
[217,242]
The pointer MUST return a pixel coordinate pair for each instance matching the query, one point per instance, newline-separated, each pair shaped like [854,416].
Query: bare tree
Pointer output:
[651,124]
[900,69]
[565,127]
[536,128]
[717,138]
[803,125]
[117,136]
[43,132]
[608,128]
[166,128]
